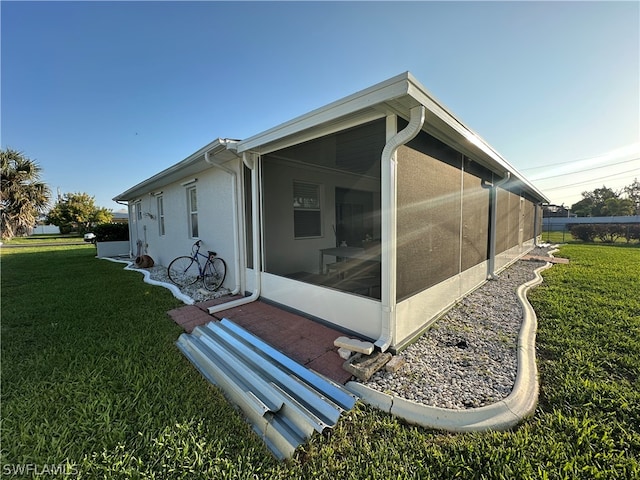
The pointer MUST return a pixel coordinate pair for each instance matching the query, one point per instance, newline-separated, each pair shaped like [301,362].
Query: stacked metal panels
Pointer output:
[284,401]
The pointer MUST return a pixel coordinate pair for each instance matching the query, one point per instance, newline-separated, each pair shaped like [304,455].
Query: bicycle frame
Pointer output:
[195,253]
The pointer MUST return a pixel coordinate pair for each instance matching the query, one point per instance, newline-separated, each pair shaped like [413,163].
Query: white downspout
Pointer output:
[493,202]
[236,234]
[253,163]
[389,239]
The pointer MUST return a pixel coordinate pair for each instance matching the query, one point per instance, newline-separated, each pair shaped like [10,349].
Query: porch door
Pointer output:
[354,209]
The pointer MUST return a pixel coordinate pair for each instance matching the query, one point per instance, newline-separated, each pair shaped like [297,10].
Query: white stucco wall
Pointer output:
[215,220]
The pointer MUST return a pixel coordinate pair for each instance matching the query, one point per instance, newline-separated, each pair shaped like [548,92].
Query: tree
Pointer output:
[77,211]
[633,193]
[23,195]
[615,207]
[593,203]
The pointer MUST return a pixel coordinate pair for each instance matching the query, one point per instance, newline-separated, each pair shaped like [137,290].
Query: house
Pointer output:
[374,213]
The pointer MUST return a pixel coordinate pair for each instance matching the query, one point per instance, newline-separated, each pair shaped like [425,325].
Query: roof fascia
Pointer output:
[393,95]
[371,97]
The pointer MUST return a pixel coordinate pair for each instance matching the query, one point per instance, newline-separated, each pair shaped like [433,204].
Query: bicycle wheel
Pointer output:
[214,272]
[183,271]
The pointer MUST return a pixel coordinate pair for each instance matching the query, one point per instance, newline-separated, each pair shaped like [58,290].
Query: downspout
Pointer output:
[389,239]
[493,202]
[252,163]
[236,235]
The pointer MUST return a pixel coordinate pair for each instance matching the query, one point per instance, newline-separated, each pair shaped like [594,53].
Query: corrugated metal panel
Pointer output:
[284,401]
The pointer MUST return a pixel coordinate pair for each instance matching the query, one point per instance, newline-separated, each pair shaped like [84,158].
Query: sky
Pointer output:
[103,95]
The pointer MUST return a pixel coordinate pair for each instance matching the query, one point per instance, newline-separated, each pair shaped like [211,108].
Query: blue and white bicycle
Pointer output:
[186,270]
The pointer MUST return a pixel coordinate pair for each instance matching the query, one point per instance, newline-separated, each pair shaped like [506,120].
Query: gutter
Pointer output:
[389,223]
[234,188]
[493,200]
[252,163]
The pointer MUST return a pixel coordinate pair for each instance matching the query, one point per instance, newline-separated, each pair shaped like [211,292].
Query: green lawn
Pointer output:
[565,237]
[46,238]
[91,377]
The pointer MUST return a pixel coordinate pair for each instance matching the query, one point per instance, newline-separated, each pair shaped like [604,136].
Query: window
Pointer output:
[160,215]
[307,218]
[192,202]
[138,211]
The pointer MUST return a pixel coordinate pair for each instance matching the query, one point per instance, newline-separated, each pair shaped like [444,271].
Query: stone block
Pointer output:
[364,366]
[395,364]
[344,353]
[354,345]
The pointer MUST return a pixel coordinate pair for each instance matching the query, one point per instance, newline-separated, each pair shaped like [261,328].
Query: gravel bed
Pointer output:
[468,358]
[195,291]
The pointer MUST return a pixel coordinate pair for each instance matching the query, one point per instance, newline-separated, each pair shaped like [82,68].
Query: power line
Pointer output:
[590,181]
[565,163]
[587,169]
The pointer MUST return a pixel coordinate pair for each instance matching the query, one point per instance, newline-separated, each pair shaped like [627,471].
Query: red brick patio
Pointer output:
[306,341]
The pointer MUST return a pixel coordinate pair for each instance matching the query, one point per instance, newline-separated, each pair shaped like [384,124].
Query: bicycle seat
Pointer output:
[211,254]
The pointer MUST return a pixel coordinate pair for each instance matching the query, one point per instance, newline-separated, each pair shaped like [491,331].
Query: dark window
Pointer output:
[307,216]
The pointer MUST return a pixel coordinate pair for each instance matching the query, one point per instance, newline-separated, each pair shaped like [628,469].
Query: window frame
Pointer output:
[137,211]
[160,207]
[191,212]
[311,207]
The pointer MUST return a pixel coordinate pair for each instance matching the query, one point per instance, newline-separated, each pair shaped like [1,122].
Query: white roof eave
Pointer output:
[395,95]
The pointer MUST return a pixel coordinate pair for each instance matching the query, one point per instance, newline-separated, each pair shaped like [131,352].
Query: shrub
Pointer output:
[609,232]
[605,232]
[632,232]
[111,232]
[583,231]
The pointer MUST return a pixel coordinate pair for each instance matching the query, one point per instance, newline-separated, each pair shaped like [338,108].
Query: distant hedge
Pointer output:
[111,232]
[605,232]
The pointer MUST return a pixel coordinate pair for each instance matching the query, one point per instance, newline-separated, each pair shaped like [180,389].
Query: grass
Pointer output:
[91,376]
[48,238]
[565,237]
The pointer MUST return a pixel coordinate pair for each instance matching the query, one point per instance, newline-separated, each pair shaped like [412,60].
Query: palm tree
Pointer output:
[23,195]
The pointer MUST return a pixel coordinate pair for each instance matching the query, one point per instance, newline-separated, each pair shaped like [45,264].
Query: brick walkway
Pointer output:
[306,341]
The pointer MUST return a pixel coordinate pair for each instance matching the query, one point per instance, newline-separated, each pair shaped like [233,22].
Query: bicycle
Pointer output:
[186,270]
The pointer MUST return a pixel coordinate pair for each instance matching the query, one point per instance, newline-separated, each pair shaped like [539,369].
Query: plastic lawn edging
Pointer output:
[502,415]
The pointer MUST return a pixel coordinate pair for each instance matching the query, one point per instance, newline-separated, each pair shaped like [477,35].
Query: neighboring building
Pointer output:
[44,229]
[120,217]
[374,213]
[561,211]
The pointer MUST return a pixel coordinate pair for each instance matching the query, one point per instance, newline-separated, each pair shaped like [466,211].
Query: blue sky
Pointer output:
[105,94]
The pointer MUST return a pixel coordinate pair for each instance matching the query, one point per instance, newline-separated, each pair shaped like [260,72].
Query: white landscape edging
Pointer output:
[147,279]
[520,403]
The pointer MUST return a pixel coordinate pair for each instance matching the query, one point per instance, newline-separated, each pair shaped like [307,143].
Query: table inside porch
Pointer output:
[351,256]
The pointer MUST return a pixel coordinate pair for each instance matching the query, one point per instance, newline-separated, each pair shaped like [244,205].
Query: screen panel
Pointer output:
[475,222]
[529,219]
[502,220]
[514,219]
[428,221]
